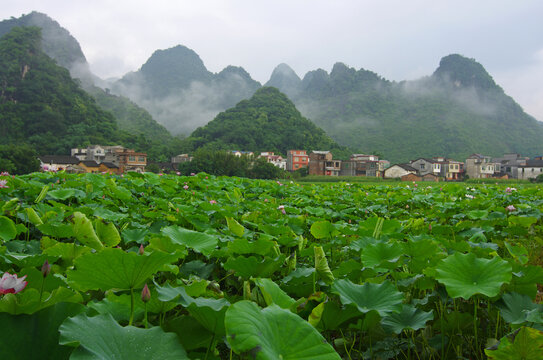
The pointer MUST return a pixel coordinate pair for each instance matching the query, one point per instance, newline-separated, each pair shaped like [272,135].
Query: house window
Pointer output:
[141,158]
[131,158]
[422,166]
[297,159]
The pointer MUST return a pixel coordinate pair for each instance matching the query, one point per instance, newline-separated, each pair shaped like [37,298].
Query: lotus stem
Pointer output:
[131,306]
[145,317]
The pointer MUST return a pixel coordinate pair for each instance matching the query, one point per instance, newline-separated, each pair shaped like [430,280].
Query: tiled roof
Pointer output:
[59,159]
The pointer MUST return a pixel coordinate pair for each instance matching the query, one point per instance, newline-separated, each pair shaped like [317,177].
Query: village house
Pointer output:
[297,159]
[479,166]
[428,166]
[276,160]
[57,162]
[322,163]
[364,165]
[129,160]
[531,169]
[509,164]
[399,170]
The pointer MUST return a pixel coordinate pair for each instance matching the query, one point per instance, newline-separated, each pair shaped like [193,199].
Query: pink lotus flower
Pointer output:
[186,187]
[192,174]
[510,208]
[282,208]
[4,173]
[10,284]
[178,173]
[212,201]
[3,184]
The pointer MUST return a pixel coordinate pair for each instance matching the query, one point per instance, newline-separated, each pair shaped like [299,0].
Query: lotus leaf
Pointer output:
[101,337]
[527,345]
[197,241]
[409,317]
[36,336]
[274,333]
[113,268]
[465,275]
[383,298]
[7,229]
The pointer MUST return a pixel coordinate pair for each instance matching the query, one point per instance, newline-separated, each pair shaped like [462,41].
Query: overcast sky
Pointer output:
[398,39]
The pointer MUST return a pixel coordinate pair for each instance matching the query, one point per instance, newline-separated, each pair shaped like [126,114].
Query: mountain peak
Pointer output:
[286,80]
[464,72]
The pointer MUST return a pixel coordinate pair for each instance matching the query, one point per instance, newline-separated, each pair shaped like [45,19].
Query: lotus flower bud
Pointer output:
[46,268]
[141,250]
[145,294]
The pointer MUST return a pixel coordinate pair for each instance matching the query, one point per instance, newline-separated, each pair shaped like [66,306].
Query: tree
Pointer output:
[18,159]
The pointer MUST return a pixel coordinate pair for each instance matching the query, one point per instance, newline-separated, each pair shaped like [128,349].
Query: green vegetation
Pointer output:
[40,104]
[457,111]
[268,121]
[196,267]
[224,163]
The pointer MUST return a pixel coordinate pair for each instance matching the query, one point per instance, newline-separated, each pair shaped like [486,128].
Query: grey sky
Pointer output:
[398,39]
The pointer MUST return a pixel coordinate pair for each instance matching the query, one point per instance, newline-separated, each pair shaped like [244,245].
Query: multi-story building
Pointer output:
[297,159]
[479,166]
[322,163]
[129,160]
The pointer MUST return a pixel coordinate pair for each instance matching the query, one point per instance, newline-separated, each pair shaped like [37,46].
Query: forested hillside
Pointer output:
[455,112]
[268,121]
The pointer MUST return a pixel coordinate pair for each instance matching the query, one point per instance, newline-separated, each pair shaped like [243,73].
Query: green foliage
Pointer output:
[225,163]
[230,274]
[456,112]
[40,104]
[268,121]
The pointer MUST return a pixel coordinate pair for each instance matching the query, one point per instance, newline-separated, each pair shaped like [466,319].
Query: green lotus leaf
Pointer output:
[63,194]
[273,294]
[525,279]
[190,333]
[518,252]
[322,229]
[134,235]
[113,268]
[381,253]
[36,336]
[7,229]
[527,345]
[107,232]
[28,301]
[383,298]
[197,241]
[235,227]
[84,232]
[409,317]
[321,265]
[209,312]
[465,275]
[274,333]
[33,217]
[251,266]
[243,246]
[108,214]
[514,307]
[101,337]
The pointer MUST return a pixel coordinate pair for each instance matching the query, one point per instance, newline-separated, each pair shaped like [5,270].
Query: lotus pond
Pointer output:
[202,267]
